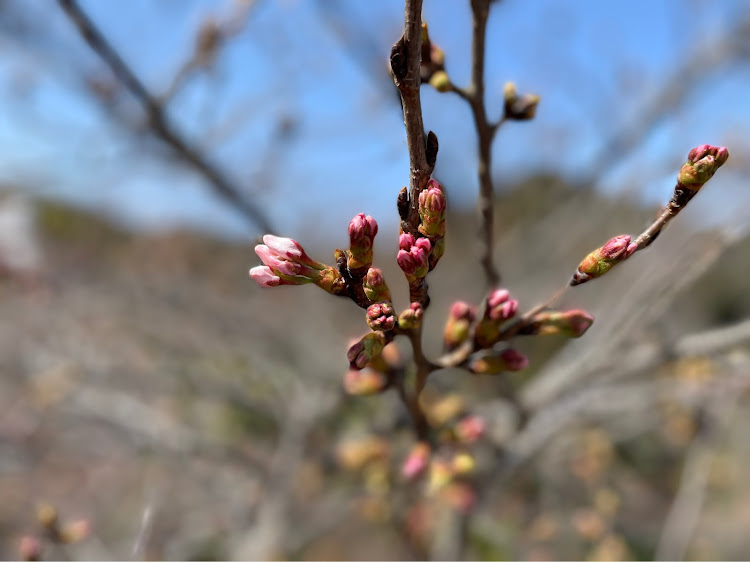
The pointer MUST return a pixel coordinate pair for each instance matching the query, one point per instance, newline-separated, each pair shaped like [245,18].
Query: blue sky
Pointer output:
[595,65]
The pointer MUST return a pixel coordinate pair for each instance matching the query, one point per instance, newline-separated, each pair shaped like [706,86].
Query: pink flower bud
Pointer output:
[264,277]
[364,382]
[601,260]
[458,326]
[432,206]
[30,548]
[470,429]
[701,165]
[366,349]
[410,318]
[497,297]
[405,241]
[375,286]
[514,360]
[571,323]
[493,363]
[362,231]
[381,316]
[417,461]
[285,263]
[413,257]
[277,263]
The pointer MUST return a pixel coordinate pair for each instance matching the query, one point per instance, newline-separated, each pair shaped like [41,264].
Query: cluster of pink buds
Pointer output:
[498,309]
[381,316]
[570,323]
[413,256]
[362,231]
[702,163]
[411,318]
[493,363]
[286,263]
[601,260]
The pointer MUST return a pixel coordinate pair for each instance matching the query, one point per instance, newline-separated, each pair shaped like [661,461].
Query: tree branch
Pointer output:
[158,120]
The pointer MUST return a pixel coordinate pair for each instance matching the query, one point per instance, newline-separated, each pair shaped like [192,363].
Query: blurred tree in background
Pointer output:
[151,391]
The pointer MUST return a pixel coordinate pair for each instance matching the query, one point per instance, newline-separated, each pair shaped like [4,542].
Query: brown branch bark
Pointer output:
[158,121]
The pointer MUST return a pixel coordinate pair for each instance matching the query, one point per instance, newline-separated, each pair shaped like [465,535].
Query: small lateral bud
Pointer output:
[495,363]
[46,514]
[411,318]
[458,326]
[381,316]
[365,382]
[432,205]
[431,149]
[375,286]
[75,531]
[402,204]
[367,348]
[519,108]
[570,323]
[498,309]
[601,260]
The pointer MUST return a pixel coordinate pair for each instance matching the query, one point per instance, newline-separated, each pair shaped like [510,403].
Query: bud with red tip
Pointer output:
[362,231]
[570,323]
[366,349]
[494,363]
[381,316]
[701,165]
[432,206]
[364,382]
[458,326]
[601,260]
[375,286]
[413,256]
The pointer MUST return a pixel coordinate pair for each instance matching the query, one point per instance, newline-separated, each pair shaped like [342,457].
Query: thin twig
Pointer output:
[158,121]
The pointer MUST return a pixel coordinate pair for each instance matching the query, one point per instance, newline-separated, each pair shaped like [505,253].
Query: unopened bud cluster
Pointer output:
[519,108]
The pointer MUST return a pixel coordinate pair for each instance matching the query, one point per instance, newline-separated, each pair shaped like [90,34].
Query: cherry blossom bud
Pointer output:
[362,231]
[432,206]
[570,323]
[702,163]
[411,318]
[375,286]
[381,316]
[458,326]
[363,351]
[462,464]
[286,263]
[470,429]
[30,548]
[498,309]
[364,382]
[413,256]
[494,363]
[601,260]
[417,461]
